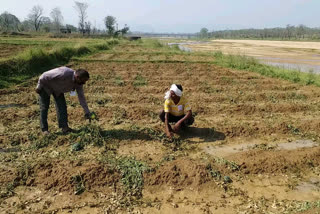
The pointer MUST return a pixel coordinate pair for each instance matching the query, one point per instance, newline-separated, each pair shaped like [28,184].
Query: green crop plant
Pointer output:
[23,173]
[102,47]
[214,173]
[7,191]
[230,164]
[131,172]
[293,130]
[43,141]
[78,183]
[89,134]
[139,81]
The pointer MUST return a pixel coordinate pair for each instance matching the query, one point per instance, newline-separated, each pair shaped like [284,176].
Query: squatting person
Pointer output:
[56,82]
[176,110]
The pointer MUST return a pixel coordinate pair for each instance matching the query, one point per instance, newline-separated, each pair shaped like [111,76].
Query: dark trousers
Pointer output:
[174,119]
[61,108]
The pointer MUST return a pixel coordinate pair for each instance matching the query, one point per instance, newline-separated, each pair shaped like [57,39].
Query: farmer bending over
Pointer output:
[57,82]
[176,110]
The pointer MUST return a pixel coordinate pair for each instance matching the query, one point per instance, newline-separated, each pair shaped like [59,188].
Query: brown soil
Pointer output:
[278,161]
[180,173]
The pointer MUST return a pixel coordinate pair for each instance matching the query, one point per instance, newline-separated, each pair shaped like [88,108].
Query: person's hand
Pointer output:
[87,116]
[91,116]
[38,90]
[169,135]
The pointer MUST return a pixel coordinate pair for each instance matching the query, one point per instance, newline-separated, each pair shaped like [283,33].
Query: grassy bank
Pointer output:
[36,60]
[251,64]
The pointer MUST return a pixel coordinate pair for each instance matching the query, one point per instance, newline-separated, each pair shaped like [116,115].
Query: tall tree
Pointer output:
[204,32]
[9,22]
[57,18]
[110,23]
[81,8]
[35,16]
[301,30]
[125,30]
[46,24]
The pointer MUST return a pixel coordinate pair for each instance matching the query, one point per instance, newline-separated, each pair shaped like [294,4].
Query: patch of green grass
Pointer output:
[250,64]
[119,81]
[102,47]
[35,60]
[139,81]
[153,43]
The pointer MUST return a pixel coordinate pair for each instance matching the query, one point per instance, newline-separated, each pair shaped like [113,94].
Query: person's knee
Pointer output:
[190,121]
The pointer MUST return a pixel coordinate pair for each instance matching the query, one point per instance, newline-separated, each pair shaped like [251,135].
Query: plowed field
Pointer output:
[254,146]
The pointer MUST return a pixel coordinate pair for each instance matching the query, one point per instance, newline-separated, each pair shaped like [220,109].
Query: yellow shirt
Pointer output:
[179,109]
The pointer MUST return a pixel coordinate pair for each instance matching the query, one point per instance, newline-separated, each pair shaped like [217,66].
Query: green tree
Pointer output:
[204,33]
[9,22]
[110,23]
[125,30]
[301,30]
[46,24]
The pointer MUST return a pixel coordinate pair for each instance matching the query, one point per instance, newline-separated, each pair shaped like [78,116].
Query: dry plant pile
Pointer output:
[254,147]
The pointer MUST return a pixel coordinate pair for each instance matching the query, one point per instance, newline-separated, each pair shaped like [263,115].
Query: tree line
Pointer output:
[37,21]
[290,32]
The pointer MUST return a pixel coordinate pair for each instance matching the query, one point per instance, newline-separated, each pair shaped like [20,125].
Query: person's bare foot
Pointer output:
[45,132]
[66,130]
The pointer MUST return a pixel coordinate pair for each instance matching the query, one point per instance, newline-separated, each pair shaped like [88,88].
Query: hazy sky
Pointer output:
[181,15]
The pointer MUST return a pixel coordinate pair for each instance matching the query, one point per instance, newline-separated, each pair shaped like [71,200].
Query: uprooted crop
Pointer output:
[131,171]
[89,134]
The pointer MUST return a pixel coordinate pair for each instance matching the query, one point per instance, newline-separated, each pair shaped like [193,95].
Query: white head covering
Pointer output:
[175,89]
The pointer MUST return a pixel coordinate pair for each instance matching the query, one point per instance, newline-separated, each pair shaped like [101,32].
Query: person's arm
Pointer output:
[167,125]
[82,100]
[168,128]
[178,124]
[43,79]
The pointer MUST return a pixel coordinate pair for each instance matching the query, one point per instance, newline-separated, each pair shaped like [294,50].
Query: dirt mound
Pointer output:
[59,175]
[278,161]
[179,173]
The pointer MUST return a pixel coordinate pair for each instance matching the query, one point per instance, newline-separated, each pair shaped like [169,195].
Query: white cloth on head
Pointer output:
[175,89]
